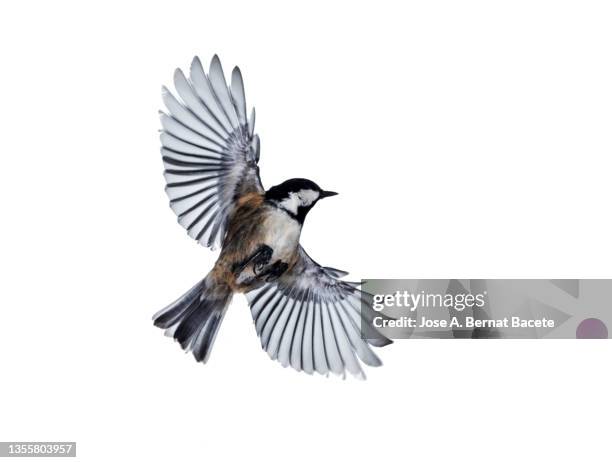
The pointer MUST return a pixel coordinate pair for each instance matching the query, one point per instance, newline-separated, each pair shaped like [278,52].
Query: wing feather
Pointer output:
[221,91]
[238,96]
[298,335]
[344,345]
[209,150]
[331,347]
[307,340]
[185,117]
[284,350]
[318,341]
[191,99]
[279,329]
[322,324]
[204,90]
[177,129]
[270,321]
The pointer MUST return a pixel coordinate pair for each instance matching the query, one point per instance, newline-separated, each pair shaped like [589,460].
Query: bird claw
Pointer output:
[258,259]
[262,258]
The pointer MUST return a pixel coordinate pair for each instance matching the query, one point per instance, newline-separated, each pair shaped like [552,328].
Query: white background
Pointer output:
[467,139]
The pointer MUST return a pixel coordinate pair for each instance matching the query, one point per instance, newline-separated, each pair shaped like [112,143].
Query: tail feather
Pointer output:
[169,315]
[194,319]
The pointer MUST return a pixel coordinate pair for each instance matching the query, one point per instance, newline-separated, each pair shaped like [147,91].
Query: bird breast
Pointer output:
[282,234]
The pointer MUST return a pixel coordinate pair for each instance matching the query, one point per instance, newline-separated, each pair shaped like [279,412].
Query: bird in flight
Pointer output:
[305,315]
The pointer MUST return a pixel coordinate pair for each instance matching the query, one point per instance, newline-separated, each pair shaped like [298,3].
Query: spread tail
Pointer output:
[195,317]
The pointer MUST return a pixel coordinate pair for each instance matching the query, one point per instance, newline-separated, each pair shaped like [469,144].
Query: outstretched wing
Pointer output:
[311,320]
[209,150]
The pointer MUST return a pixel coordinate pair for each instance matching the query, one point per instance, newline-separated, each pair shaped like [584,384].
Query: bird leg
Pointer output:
[259,259]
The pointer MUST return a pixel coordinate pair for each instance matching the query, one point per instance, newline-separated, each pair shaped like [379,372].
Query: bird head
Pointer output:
[297,196]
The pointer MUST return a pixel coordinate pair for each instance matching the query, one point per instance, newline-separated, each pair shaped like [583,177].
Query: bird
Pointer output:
[305,314]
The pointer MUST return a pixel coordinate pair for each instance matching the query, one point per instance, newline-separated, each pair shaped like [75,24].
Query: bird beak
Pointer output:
[325,194]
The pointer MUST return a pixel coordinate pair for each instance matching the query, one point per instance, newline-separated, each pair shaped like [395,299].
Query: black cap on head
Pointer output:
[282,190]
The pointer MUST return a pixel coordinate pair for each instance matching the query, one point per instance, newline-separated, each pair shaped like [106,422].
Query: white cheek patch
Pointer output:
[308,197]
[301,198]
